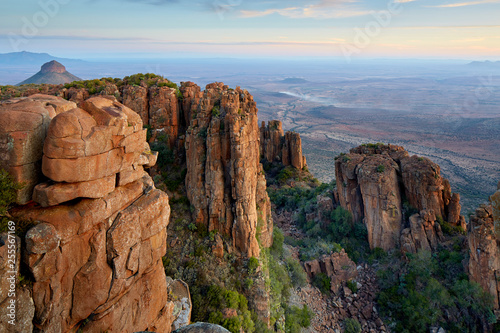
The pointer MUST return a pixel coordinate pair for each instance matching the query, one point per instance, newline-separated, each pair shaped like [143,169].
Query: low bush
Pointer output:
[352,325]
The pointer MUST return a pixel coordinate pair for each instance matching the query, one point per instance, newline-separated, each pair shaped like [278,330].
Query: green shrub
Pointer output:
[8,188]
[296,318]
[418,295]
[278,239]
[297,274]
[380,168]
[352,285]
[352,325]
[253,264]
[323,283]
[216,111]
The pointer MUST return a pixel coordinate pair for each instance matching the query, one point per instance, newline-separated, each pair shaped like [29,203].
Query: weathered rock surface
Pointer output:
[337,266]
[23,128]
[88,148]
[202,328]
[484,251]
[16,304]
[101,257]
[277,146]
[379,188]
[225,181]
[178,293]
[423,233]
[372,182]
[136,98]
[97,259]
[164,112]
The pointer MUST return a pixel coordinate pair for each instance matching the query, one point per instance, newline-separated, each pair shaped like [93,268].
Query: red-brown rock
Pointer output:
[337,266]
[225,181]
[276,146]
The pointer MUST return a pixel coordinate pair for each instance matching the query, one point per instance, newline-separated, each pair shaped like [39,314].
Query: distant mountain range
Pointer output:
[293,80]
[32,59]
[485,64]
[52,72]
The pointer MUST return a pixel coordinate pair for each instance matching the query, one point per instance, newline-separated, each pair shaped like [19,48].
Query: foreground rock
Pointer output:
[97,261]
[372,181]
[24,123]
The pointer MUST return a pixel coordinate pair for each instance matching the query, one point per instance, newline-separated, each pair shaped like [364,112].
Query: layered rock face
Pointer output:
[225,181]
[16,317]
[97,259]
[160,107]
[277,146]
[374,180]
[24,124]
[423,233]
[484,251]
[90,150]
[337,266]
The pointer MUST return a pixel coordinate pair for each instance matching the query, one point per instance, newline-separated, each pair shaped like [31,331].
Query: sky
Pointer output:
[87,29]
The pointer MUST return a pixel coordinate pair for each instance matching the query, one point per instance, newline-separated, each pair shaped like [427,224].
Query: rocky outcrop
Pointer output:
[337,266]
[379,188]
[136,98]
[225,181]
[484,251]
[423,233]
[90,150]
[277,146]
[24,124]
[96,260]
[164,112]
[373,181]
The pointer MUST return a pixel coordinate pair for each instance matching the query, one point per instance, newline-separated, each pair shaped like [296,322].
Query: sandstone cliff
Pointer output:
[374,181]
[225,181]
[277,146]
[484,249]
[95,250]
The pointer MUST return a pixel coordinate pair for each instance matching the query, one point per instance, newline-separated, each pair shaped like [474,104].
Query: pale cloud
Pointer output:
[463,4]
[322,9]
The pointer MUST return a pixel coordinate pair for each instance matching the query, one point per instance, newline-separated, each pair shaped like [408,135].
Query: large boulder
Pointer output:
[91,149]
[23,127]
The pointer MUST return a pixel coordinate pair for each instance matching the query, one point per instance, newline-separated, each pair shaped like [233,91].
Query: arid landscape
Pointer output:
[453,120]
[448,111]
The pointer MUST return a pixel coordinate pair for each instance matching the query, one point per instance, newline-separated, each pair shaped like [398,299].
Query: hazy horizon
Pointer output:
[347,29]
